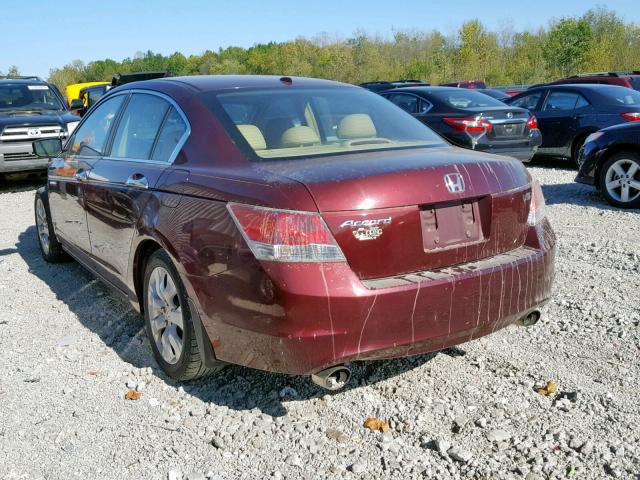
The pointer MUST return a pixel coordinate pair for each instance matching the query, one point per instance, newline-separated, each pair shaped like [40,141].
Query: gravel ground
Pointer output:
[70,351]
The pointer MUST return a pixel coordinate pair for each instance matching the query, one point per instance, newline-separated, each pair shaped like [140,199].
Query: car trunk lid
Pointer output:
[416,210]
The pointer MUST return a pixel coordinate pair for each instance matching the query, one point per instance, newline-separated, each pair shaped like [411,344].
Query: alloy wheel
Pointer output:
[622,180]
[165,315]
[42,225]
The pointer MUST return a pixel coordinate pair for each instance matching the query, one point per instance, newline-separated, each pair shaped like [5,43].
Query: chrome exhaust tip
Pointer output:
[332,378]
[530,319]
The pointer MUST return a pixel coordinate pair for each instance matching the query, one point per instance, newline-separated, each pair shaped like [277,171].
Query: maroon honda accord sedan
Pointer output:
[292,225]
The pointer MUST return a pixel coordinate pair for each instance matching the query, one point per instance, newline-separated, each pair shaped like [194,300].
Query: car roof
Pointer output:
[430,89]
[574,86]
[206,83]
[22,81]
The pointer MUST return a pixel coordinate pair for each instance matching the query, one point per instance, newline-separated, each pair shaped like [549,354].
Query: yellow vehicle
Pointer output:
[73,90]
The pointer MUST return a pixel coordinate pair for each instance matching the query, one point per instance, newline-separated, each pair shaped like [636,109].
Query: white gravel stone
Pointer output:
[498,435]
[459,454]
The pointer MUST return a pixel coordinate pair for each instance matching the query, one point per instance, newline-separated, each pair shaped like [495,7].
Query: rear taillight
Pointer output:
[285,235]
[632,116]
[536,210]
[532,122]
[471,125]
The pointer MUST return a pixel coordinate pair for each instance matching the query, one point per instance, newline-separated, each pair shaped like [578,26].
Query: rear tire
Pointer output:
[168,321]
[575,150]
[619,174]
[50,247]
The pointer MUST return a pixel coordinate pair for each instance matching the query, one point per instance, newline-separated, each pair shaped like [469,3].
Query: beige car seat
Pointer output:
[253,136]
[300,136]
[356,126]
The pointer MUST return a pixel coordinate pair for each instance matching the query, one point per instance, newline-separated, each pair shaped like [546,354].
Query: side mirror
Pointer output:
[47,147]
[77,105]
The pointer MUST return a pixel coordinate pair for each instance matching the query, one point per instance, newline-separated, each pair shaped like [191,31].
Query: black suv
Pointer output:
[30,109]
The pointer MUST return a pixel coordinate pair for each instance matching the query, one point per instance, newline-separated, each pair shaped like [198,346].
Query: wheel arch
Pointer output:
[144,250]
[610,152]
[580,137]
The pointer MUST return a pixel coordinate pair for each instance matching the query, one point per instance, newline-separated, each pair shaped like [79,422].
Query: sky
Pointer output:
[40,34]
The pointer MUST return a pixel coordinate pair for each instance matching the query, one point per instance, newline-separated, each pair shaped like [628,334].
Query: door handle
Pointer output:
[81,175]
[137,180]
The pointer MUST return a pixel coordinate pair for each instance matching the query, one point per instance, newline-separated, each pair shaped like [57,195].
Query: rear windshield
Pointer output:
[24,97]
[620,95]
[295,123]
[465,98]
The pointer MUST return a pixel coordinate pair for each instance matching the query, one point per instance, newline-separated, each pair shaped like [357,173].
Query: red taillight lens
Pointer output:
[632,116]
[536,210]
[532,122]
[284,235]
[471,125]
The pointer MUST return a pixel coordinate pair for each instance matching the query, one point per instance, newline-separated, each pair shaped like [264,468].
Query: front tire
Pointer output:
[619,180]
[50,247]
[168,321]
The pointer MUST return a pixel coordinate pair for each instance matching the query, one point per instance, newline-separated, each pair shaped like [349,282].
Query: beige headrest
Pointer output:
[253,135]
[299,136]
[358,125]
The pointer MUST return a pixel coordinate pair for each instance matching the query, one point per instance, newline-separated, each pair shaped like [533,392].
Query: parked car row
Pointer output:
[296,225]
[553,119]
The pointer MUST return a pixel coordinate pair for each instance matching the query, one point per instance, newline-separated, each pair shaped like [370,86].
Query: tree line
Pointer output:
[599,40]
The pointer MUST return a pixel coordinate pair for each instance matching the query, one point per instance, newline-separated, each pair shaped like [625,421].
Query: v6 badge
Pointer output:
[367,233]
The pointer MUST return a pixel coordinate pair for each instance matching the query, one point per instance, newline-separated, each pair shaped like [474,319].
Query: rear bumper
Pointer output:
[18,157]
[520,150]
[323,315]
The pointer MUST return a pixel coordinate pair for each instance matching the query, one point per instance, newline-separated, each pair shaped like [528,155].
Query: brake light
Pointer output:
[285,235]
[632,116]
[536,210]
[532,122]
[471,125]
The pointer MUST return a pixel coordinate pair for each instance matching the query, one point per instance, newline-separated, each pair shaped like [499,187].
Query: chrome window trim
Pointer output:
[178,146]
[170,100]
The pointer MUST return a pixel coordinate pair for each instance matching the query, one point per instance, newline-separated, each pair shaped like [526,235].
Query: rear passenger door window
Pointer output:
[581,102]
[530,102]
[139,127]
[172,131]
[561,101]
[410,103]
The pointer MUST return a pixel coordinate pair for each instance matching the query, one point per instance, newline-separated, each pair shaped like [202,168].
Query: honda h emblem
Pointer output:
[454,182]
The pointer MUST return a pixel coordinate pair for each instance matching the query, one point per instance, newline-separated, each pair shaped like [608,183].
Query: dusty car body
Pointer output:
[296,253]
